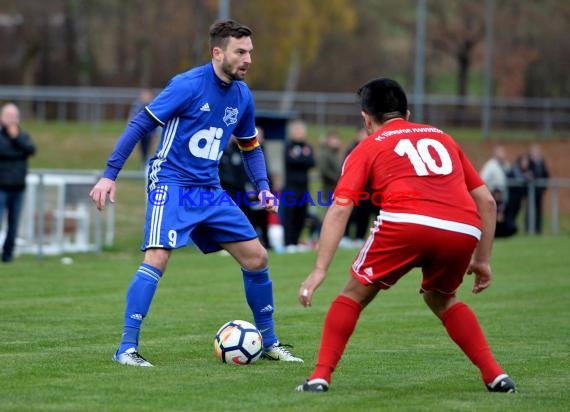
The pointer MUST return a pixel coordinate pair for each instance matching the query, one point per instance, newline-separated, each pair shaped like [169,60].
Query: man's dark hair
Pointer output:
[383,99]
[221,31]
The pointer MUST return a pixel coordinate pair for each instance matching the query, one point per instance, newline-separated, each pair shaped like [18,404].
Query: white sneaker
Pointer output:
[132,358]
[278,352]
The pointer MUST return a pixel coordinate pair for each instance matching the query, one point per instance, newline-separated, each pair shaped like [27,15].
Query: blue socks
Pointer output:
[258,292]
[259,295]
[139,298]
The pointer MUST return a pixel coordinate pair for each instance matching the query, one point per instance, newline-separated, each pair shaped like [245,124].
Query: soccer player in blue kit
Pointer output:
[199,111]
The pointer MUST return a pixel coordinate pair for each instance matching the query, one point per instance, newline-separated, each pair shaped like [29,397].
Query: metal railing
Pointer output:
[69,202]
[94,104]
[554,186]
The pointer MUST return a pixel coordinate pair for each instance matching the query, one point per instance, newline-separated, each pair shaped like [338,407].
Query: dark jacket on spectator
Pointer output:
[14,155]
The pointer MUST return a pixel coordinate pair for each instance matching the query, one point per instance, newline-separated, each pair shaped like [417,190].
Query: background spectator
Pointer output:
[504,227]
[299,159]
[15,148]
[539,170]
[495,172]
[232,174]
[522,175]
[329,164]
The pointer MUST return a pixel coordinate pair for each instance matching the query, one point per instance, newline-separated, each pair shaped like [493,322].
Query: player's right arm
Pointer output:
[170,101]
[352,181]
[140,125]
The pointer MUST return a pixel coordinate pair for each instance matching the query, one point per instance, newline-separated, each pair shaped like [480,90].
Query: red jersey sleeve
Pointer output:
[472,178]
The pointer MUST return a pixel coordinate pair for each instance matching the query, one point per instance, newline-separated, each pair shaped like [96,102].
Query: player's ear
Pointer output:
[217,53]
[367,121]
[408,115]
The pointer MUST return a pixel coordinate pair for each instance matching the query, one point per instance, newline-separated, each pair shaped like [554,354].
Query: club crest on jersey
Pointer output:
[230,116]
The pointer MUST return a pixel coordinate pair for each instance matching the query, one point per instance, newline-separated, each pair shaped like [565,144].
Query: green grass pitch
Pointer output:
[59,326]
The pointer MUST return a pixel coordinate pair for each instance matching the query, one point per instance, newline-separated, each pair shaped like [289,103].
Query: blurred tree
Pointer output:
[288,37]
[456,28]
[319,45]
[547,73]
[377,46]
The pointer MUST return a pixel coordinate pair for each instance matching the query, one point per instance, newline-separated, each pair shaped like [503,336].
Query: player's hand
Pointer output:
[268,201]
[99,192]
[13,130]
[310,285]
[482,271]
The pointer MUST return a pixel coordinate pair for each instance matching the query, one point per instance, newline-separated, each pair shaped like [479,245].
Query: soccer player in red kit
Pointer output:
[436,214]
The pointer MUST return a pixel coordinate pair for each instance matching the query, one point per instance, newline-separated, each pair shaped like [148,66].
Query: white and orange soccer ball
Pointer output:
[238,342]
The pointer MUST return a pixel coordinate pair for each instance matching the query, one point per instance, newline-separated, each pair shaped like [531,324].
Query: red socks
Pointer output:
[339,324]
[459,321]
[464,329]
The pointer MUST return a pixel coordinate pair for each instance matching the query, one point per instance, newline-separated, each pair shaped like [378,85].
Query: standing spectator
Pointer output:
[495,172]
[329,164]
[539,170]
[15,148]
[145,144]
[298,160]
[522,175]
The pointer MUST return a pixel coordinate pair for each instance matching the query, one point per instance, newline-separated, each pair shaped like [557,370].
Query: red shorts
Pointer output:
[394,248]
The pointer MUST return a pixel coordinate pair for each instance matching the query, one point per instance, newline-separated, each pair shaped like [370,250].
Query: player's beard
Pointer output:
[233,74]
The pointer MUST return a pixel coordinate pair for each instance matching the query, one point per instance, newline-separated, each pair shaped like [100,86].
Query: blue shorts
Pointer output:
[206,215]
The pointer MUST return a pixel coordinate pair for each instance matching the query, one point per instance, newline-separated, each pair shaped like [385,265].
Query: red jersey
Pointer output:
[416,174]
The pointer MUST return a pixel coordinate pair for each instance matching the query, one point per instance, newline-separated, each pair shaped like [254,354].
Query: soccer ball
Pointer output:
[238,342]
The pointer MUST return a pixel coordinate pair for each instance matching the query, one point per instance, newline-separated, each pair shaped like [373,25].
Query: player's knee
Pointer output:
[438,302]
[256,260]
[157,258]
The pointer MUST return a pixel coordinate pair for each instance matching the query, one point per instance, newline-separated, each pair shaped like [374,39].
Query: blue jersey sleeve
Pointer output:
[246,126]
[254,164]
[139,126]
[171,101]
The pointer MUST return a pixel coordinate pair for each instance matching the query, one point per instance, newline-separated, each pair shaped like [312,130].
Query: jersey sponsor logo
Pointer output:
[205,143]
[205,107]
[230,116]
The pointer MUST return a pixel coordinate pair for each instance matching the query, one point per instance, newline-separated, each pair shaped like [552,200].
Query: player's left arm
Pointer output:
[487,208]
[254,165]
[252,155]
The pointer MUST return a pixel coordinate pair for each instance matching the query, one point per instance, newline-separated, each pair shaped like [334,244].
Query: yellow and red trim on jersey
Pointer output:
[247,145]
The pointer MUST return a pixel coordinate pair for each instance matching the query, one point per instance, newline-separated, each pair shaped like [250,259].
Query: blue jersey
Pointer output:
[199,113]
